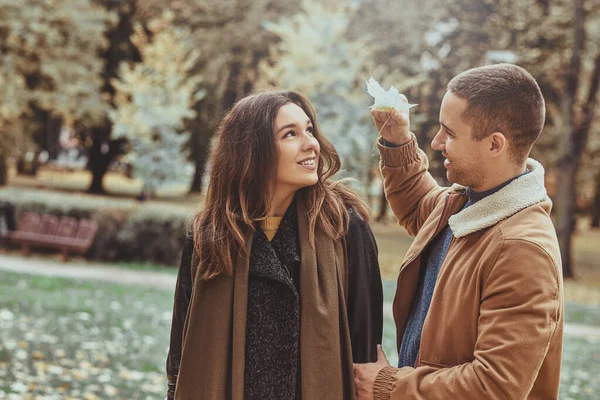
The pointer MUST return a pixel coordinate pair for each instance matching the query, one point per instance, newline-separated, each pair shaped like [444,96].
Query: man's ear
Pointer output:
[497,144]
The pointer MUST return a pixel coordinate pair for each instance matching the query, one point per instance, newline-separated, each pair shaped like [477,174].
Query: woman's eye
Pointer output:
[289,134]
[310,130]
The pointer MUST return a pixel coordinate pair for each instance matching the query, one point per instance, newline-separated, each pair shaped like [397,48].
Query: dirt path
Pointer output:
[87,271]
[161,280]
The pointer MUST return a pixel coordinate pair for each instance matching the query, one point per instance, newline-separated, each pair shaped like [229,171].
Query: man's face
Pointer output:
[465,160]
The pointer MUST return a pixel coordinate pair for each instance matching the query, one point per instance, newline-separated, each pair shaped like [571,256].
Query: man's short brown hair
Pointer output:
[502,98]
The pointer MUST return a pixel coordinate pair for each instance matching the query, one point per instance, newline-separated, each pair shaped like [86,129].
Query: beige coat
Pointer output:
[495,325]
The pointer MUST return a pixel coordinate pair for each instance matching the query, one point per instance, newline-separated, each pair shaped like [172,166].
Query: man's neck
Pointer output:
[500,176]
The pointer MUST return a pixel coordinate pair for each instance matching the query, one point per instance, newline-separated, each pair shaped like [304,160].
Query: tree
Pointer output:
[103,149]
[11,133]
[50,64]
[314,57]
[595,207]
[231,38]
[13,142]
[153,98]
[554,41]
[577,113]
[555,44]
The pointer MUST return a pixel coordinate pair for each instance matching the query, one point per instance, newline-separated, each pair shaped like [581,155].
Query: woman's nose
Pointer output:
[310,143]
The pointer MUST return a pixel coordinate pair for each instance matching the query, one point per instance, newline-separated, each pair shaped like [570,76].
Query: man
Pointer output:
[479,301]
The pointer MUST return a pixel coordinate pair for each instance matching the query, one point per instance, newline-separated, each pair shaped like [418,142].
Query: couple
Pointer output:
[279,294]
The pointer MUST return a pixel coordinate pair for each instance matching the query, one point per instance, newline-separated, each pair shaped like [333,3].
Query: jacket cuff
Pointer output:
[383,383]
[401,155]
[171,390]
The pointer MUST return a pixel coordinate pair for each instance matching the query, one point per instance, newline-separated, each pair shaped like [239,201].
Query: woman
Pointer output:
[279,288]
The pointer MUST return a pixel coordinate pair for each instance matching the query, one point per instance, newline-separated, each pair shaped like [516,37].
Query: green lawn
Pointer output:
[65,339]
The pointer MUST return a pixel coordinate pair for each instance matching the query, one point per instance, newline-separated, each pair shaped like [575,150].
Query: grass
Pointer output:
[147,267]
[584,314]
[580,373]
[68,339]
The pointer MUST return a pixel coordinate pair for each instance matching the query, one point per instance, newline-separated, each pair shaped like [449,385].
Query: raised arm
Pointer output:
[410,189]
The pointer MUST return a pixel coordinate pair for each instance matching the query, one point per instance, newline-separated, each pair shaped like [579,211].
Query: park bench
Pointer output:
[66,234]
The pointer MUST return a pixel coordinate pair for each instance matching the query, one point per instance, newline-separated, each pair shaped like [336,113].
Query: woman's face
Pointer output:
[298,149]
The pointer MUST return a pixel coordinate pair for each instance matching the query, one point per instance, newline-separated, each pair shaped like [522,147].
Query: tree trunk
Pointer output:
[102,153]
[3,171]
[573,145]
[382,207]
[120,46]
[51,136]
[46,136]
[233,81]
[199,169]
[573,148]
[596,205]
[35,164]
[98,163]
[20,165]
[202,129]
[566,214]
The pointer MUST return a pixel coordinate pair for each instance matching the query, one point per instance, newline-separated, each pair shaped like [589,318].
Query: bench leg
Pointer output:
[26,249]
[64,253]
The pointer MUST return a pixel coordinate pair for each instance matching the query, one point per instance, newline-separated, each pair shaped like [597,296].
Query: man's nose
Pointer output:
[436,143]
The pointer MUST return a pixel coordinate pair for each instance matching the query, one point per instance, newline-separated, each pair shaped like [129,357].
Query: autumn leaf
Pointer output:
[386,100]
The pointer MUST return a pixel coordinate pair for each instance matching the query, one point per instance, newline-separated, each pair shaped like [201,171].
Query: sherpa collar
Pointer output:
[521,193]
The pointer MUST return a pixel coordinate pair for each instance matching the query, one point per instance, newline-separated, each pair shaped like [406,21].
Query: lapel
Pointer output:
[276,260]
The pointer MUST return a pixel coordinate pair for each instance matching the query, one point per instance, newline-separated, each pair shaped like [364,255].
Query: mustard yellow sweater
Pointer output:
[270,226]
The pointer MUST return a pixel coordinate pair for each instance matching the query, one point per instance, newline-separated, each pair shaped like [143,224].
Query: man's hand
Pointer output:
[393,125]
[365,374]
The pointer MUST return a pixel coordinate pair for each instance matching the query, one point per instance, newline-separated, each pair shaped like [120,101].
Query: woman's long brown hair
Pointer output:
[243,169]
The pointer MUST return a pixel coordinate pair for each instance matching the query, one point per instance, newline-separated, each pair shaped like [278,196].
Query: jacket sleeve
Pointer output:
[519,314]
[183,292]
[365,292]
[409,188]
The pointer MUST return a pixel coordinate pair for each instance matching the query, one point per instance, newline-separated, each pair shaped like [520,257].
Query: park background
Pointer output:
[108,111]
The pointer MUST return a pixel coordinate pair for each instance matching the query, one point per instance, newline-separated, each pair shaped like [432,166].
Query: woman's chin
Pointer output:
[308,183]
